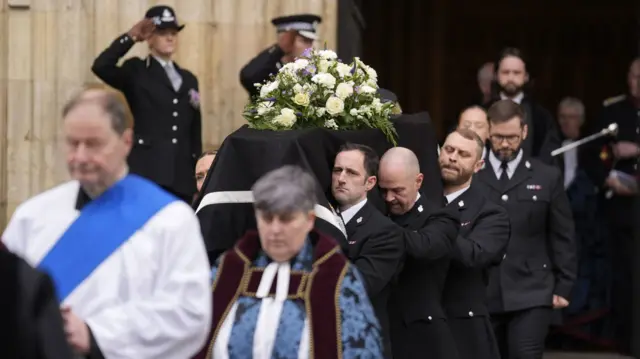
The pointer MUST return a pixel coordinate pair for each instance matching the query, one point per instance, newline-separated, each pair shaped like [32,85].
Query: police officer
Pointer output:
[164,99]
[612,165]
[296,33]
[539,269]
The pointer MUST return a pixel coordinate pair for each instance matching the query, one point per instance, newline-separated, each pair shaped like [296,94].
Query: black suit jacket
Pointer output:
[429,234]
[168,125]
[541,256]
[481,244]
[376,249]
[31,323]
[260,68]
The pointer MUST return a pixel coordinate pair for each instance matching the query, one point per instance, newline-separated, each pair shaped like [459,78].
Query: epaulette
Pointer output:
[612,100]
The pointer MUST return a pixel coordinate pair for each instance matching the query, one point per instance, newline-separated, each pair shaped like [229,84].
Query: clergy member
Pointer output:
[418,321]
[127,258]
[287,291]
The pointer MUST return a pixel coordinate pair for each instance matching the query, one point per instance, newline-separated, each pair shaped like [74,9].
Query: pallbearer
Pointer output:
[127,258]
[481,244]
[164,98]
[296,33]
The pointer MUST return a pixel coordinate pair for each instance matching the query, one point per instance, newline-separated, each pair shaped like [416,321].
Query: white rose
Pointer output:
[297,88]
[327,54]
[287,118]
[300,64]
[268,88]
[331,123]
[301,99]
[367,89]
[334,106]
[343,69]
[324,79]
[323,65]
[344,90]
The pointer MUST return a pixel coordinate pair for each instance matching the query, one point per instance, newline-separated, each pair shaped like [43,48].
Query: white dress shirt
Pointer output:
[511,166]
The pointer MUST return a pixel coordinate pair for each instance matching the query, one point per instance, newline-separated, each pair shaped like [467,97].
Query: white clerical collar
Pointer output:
[163,62]
[349,213]
[511,166]
[517,98]
[452,196]
[484,152]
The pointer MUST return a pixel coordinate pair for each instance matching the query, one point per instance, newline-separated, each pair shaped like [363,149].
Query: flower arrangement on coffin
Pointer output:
[318,90]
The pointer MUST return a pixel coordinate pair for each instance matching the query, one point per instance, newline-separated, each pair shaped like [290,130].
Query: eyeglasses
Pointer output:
[512,139]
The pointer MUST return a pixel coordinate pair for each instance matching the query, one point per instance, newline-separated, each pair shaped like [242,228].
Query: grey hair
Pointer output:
[112,102]
[287,189]
[572,102]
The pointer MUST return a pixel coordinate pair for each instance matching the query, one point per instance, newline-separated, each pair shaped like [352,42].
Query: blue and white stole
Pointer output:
[102,227]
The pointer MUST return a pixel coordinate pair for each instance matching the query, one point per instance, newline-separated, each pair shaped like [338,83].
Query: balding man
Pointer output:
[474,118]
[127,258]
[614,169]
[418,321]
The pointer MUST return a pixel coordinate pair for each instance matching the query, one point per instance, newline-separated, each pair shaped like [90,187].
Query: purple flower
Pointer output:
[307,52]
[270,99]
[356,89]
[298,113]
[353,69]
[311,69]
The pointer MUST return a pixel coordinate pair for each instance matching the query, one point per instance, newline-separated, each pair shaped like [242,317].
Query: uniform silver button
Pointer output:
[544,266]
[141,141]
[535,198]
[175,140]
[504,256]
[175,100]
[175,114]
[429,317]
[637,130]
[505,197]
[471,314]
[175,128]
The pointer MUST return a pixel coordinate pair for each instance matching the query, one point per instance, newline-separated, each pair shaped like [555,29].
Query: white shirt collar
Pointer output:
[417,197]
[452,196]
[517,98]
[163,62]
[484,153]
[511,166]
[349,213]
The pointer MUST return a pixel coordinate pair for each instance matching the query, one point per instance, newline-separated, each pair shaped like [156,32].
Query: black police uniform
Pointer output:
[541,258]
[268,62]
[599,160]
[168,125]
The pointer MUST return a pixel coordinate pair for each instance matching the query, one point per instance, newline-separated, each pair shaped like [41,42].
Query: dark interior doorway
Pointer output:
[429,51]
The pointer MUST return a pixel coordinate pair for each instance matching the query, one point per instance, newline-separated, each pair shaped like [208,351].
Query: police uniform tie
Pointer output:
[174,76]
[504,176]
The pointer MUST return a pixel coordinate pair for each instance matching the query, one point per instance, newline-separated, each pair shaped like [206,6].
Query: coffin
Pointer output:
[224,207]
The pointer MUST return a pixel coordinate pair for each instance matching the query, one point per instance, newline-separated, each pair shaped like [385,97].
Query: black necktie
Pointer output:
[504,177]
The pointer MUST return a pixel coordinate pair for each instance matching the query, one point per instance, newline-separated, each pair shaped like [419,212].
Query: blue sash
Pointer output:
[102,227]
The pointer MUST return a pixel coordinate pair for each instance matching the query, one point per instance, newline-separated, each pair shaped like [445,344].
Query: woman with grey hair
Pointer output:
[286,291]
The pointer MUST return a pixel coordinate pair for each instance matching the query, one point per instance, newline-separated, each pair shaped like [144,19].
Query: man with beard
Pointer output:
[375,243]
[481,243]
[511,80]
[539,269]
[612,166]
[418,321]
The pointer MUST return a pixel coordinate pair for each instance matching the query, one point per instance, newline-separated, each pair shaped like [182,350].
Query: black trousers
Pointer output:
[474,337]
[622,254]
[522,334]
[423,339]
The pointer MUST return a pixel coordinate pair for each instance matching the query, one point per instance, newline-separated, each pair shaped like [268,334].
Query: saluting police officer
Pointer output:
[539,269]
[164,99]
[612,165]
[296,33]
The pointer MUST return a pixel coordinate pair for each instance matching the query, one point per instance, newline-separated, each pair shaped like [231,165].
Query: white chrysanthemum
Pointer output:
[343,70]
[377,105]
[297,88]
[321,111]
[327,54]
[353,112]
[367,89]
[287,118]
[265,107]
[300,64]
[371,72]
[334,106]
[323,65]
[268,88]
[331,123]
[344,90]
[324,79]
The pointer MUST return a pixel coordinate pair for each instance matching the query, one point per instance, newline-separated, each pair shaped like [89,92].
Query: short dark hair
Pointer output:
[371,159]
[472,136]
[510,52]
[503,111]
[208,153]
[112,102]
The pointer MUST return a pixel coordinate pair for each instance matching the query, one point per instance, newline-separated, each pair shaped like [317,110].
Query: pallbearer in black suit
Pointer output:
[164,100]
[418,322]
[481,243]
[296,33]
[375,243]
[539,268]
